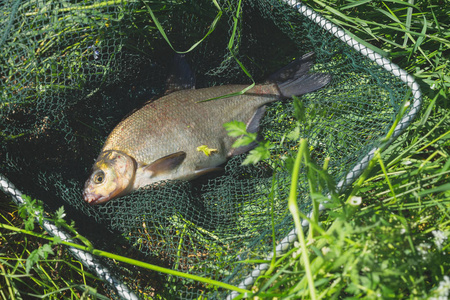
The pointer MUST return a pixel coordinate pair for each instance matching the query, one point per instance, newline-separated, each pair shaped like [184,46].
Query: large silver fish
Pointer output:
[160,140]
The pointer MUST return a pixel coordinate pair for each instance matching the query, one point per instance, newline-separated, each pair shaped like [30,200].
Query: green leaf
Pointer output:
[259,153]
[244,141]
[32,259]
[289,163]
[57,240]
[60,214]
[29,224]
[299,110]
[45,250]
[35,255]
[319,197]
[294,135]
[235,128]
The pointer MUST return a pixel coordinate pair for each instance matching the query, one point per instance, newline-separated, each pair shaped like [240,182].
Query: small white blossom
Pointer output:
[325,250]
[310,242]
[443,290]
[95,52]
[365,269]
[439,238]
[402,231]
[355,201]
[423,249]
[296,253]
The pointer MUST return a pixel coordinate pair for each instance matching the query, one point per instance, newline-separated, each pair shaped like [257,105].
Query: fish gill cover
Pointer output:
[70,71]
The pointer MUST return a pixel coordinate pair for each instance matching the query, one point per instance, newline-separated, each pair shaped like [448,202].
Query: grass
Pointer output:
[390,238]
[385,238]
[54,276]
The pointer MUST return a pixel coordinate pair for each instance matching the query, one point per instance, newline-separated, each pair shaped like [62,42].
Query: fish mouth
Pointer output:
[94,199]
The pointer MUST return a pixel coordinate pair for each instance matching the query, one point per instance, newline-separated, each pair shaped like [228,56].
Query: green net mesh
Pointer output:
[71,70]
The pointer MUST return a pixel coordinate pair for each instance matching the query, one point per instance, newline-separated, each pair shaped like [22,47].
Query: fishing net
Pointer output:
[71,70]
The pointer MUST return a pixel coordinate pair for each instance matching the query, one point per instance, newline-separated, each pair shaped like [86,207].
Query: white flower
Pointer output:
[296,253]
[325,250]
[439,238]
[365,269]
[310,242]
[423,249]
[355,200]
[443,290]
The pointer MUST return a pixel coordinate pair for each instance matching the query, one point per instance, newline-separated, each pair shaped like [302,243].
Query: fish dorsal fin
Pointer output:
[165,164]
[181,76]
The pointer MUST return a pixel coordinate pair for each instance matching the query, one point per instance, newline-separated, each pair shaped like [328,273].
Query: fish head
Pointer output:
[112,176]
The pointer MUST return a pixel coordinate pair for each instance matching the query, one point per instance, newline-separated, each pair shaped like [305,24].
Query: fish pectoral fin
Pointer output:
[204,171]
[166,164]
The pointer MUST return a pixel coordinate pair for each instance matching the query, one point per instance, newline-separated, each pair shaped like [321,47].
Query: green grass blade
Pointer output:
[131,261]
[293,208]
[408,22]
[212,27]
[354,4]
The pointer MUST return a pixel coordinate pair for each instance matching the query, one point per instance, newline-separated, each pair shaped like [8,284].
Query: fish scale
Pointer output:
[180,122]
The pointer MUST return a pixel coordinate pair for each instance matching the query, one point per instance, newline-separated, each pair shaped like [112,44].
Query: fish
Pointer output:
[161,140]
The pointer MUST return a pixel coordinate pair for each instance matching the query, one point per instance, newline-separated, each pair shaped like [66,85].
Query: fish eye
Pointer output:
[99,177]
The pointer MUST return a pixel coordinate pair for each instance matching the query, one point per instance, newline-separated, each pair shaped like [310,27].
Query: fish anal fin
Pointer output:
[205,171]
[252,127]
[253,124]
[165,164]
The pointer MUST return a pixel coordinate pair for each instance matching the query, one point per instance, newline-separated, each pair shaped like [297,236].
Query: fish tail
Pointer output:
[304,84]
[294,79]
